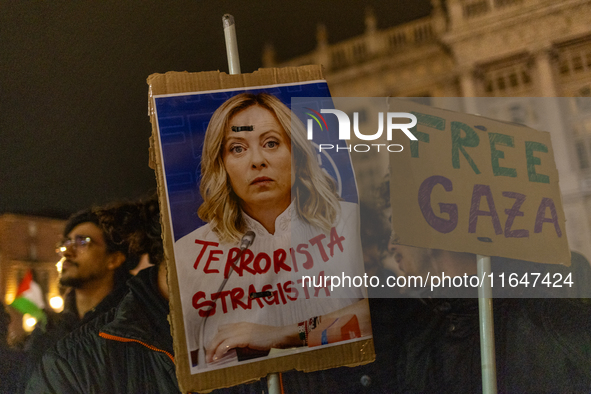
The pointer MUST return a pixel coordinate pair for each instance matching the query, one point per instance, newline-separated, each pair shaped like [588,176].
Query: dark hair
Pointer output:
[89,216]
[135,228]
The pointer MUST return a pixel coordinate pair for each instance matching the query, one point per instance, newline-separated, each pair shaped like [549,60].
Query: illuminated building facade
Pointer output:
[29,242]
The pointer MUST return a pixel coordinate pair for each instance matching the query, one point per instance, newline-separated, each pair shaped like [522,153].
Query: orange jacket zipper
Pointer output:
[121,339]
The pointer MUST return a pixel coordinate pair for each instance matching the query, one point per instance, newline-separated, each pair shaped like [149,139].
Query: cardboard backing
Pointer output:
[350,354]
[478,185]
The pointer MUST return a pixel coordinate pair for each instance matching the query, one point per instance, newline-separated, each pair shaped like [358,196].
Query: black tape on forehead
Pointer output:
[237,129]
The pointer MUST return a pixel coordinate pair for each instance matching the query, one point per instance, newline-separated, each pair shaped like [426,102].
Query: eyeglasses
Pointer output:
[79,241]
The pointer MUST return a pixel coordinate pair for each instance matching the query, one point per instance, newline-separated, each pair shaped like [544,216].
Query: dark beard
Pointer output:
[76,283]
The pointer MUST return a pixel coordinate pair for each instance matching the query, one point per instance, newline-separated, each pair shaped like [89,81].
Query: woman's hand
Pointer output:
[251,335]
[262,337]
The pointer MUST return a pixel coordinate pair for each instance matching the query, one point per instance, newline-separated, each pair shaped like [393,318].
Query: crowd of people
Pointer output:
[114,334]
[120,341]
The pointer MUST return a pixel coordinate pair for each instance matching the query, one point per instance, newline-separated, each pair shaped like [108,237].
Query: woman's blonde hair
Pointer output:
[316,199]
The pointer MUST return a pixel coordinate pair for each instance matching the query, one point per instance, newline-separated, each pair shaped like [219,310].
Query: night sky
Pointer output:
[74,127]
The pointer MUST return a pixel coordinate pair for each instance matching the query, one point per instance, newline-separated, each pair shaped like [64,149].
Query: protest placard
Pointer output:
[473,184]
[229,161]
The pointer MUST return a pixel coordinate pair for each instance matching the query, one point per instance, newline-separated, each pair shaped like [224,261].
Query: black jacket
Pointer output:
[433,346]
[127,350]
[61,324]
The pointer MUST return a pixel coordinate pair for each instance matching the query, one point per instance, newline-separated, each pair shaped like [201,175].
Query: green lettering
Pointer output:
[496,154]
[471,140]
[533,161]
[435,122]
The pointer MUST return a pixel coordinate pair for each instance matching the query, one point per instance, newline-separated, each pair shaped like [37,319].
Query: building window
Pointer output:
[500,81]
[577,62]
[563,66]
[574,60]
[513,80]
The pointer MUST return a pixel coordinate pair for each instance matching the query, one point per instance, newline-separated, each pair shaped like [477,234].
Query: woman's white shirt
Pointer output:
[275,263]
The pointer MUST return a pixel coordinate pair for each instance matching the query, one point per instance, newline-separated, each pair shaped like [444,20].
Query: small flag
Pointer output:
[29,298]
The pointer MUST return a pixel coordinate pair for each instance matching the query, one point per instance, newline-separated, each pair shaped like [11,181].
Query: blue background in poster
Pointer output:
[183,120]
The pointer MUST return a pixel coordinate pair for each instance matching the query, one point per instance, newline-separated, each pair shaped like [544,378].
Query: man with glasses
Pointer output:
[92,266]
[95,268]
